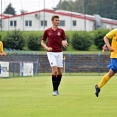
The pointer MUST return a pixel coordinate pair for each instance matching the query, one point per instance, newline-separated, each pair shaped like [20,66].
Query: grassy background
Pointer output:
[32,97]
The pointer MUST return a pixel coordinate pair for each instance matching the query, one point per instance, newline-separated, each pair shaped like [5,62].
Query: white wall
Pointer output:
[36,22]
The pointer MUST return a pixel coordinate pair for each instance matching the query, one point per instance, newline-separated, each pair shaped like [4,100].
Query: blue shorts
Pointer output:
[113,64]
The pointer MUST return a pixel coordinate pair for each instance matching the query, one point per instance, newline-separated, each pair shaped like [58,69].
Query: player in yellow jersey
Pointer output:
[1,49]
[113,59]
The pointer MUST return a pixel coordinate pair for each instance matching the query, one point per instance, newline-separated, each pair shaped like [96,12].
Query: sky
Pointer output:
[28,5]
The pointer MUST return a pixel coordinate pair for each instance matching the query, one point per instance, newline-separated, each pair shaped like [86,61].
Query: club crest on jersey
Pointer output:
[58,33]
[50,33]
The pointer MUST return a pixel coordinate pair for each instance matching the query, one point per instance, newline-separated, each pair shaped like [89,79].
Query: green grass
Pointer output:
[32,97]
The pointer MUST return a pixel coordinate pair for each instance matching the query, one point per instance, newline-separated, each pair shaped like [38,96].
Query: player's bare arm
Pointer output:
[64,43]
[2,54]
[45,46]
[108,44]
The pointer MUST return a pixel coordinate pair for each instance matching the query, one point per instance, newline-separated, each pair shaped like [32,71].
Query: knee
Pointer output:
[55,72]
[111,74]
[59,73]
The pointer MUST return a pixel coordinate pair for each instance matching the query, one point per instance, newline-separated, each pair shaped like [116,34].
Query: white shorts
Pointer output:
[55,58]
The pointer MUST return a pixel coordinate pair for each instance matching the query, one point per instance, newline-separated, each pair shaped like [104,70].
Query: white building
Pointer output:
[34,21]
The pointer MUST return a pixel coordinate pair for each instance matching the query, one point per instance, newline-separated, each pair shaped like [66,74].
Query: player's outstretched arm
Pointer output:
[64,43]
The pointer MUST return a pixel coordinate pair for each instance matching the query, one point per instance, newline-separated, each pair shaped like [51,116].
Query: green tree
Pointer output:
[14,40]
[10,10]
[98,37]
[81,40]
[34,42]
[104,8]
[64,5]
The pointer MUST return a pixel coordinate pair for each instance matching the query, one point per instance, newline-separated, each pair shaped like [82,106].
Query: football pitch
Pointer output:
[32,97]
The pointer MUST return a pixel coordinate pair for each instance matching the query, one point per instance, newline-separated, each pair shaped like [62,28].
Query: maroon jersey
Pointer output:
[54,38]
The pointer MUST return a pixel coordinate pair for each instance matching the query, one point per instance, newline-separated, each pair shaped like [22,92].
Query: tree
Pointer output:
[98,37]
[65,5]
[81,40]
[10,10]
[14,40]
[34,42]
[102,7]
[91,7]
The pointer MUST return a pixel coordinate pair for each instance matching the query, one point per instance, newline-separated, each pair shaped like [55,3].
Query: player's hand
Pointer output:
[110,49]
[2,54]
[49,49]
[64,43]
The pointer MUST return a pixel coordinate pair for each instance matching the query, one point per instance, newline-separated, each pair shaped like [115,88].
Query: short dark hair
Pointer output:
[54,16]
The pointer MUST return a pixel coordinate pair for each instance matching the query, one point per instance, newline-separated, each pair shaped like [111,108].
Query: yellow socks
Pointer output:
[103,81]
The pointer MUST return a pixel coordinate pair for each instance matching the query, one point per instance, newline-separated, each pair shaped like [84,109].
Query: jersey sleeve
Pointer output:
[44,37]
[111,33]
[1,47]
[63,36]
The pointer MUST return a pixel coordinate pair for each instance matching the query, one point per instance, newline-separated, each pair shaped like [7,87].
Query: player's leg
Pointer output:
[53,64]
[106,77]
[59,76]
[59,60]
[54,77]
[104,80]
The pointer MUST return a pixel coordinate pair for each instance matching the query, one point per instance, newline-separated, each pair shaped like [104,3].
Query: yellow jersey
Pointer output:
[1,47]
[113,35]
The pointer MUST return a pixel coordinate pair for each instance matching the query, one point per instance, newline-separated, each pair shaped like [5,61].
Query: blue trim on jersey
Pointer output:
[113,64]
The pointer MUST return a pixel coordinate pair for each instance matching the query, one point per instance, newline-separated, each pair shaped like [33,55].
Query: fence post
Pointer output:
[37,64]
[69,64]
[13,63]
[64,64]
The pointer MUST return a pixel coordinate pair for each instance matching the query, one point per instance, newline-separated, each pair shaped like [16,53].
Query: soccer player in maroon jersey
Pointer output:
[56,39]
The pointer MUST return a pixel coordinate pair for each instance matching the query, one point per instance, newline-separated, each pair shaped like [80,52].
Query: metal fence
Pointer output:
[74,64]
[16,58]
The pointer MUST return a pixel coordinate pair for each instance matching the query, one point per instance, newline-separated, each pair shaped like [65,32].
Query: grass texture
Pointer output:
[32,97]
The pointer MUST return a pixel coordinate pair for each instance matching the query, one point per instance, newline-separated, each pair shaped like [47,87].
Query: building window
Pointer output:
[74,22]
[13,23]
[28,23]
[62,23]
[44,23]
